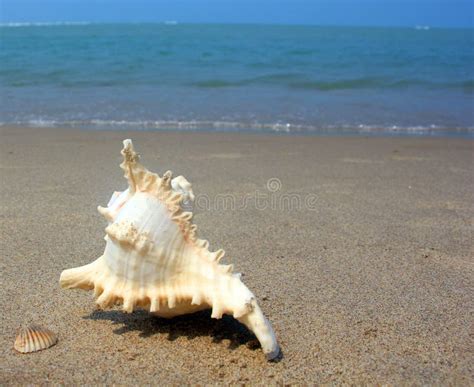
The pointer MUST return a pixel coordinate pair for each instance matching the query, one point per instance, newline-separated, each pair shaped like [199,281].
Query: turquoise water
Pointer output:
[238,77]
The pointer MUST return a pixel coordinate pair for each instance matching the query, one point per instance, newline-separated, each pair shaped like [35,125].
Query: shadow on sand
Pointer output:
[190,326]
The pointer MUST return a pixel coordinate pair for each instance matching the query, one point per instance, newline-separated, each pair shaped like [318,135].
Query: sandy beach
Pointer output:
[366,272]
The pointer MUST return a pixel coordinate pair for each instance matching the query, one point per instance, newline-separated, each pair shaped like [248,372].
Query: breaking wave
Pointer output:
[234,126]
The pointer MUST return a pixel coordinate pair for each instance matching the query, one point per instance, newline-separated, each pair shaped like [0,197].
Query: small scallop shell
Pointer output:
[34,338]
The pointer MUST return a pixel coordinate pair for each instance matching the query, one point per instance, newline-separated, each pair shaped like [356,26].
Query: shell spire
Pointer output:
[130,163]
[154,260]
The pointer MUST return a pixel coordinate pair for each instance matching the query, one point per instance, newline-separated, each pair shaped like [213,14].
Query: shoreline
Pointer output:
[373,285]
[279,130]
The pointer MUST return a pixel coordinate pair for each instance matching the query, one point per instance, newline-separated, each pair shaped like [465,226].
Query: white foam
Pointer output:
[255,126]
[43,24]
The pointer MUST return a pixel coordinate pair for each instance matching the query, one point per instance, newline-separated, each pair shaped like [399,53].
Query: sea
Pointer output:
[249,78]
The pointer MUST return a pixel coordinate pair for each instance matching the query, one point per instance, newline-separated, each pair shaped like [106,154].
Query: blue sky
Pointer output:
[443,13]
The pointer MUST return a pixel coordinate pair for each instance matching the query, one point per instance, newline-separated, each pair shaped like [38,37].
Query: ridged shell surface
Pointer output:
[154,260]
[34,338]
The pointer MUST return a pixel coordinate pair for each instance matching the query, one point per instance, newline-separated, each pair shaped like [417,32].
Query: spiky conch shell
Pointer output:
[153,259]
[34,338]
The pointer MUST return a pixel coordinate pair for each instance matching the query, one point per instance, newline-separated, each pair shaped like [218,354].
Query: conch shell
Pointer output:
[153,259]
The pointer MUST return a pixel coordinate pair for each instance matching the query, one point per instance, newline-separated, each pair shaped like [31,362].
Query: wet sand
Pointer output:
[360,254]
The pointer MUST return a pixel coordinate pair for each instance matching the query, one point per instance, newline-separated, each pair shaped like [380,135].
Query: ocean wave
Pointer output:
[43,24]
[343,84]
[468,86]
[299,81]
[275,79]
[236,126]
[61,78]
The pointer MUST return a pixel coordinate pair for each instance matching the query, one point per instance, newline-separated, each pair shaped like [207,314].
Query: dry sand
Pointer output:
[373,285]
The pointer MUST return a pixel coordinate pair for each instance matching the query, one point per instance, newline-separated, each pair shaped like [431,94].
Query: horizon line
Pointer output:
[175,22]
